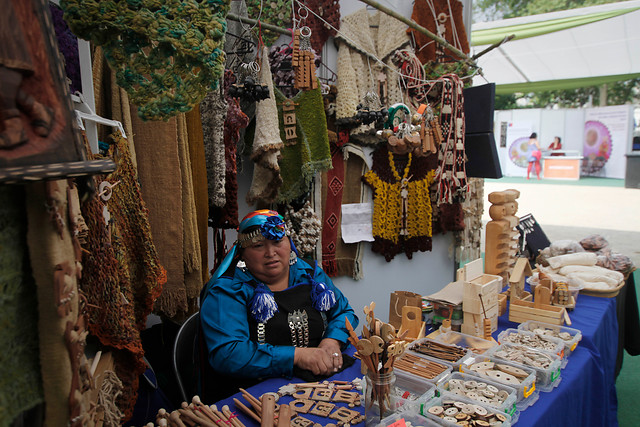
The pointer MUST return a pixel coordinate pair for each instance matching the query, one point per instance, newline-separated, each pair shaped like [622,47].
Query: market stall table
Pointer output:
[586,395]
[561,164]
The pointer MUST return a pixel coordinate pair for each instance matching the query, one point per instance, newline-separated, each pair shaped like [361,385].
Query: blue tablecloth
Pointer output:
[586,396]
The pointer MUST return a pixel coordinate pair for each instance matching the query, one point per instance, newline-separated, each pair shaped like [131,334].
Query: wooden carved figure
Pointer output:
[501,245]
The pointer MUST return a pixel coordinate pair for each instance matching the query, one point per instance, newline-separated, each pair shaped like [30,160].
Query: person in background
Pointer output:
[533,155]
[267,313]
[556,145]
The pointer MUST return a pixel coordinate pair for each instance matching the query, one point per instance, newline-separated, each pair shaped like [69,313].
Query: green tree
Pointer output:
[617,93]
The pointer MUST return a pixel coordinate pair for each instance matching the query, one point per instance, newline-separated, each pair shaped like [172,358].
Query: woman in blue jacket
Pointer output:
[266,312]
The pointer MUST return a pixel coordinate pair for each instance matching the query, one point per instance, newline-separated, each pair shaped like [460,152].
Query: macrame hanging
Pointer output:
[167,55]
[451,176]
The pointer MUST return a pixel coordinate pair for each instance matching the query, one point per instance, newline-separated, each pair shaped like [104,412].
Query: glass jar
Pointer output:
[379,397]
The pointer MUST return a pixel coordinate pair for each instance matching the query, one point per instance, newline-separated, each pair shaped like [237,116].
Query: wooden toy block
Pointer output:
[521,311]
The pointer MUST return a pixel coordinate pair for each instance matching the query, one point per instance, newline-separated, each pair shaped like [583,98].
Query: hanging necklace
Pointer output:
[404,193]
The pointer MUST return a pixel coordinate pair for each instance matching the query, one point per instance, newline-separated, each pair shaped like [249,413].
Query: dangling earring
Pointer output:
[293,258]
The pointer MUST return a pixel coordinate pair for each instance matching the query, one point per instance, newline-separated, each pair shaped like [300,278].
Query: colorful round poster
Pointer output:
[518,151]
[597,142]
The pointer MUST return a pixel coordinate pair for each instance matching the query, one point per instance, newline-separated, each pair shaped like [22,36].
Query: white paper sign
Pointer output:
[357,222]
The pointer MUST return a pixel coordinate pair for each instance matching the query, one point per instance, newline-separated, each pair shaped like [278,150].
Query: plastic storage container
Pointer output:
[556,344]
[440,401]
[546,378]
[526,391]
[415,419]
[403,374]
[455,364]
[508,406]
[411,393]
[569,344]
[476,345]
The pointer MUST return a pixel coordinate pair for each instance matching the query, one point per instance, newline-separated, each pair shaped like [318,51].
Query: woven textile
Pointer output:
[190,240]
[304,227]
[384,179]
[426,13]
[167,54]
[267,142]
[329,10]
[236,120]
[451,175]
[20,381]
[333,187]
[311,153]
[122,275]
[468,241]
[161,186]
[377,34]
[111,101]
[199,178]
[50,244]
[213,111]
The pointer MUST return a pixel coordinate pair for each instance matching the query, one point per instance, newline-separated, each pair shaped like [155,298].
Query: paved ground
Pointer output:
[575,210]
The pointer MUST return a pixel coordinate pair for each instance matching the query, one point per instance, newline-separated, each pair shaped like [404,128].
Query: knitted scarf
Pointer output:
[167,55]
[213,111]
[122,275]
[236,120]
[199,178]
[267,142]
[21,384]
[311,154]
[427,14]
[387,205]
[191,240]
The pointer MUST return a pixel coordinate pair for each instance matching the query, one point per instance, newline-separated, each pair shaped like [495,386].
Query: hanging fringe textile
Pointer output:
[451,176]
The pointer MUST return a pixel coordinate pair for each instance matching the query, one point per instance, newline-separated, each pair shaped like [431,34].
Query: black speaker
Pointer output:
[480,145]
[532,237]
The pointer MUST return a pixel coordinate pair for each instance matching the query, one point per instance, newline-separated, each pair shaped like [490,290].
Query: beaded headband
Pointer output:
[270,226]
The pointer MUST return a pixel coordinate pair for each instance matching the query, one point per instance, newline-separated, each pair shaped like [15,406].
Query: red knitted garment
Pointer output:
[423,14]
[329,10]
[122,275]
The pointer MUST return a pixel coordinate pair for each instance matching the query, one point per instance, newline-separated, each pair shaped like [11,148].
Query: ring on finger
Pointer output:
[336,354]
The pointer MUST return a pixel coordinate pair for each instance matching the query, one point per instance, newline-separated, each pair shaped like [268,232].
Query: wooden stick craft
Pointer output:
[378,352]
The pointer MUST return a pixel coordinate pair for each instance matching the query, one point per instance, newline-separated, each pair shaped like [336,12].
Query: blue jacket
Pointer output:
[224,316]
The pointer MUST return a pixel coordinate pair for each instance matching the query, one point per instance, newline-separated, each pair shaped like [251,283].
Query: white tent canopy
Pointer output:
[561,50]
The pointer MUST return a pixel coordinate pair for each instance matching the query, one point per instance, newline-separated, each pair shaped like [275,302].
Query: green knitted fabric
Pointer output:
[311,153]
[167,54]
[20,380]
[275,12]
